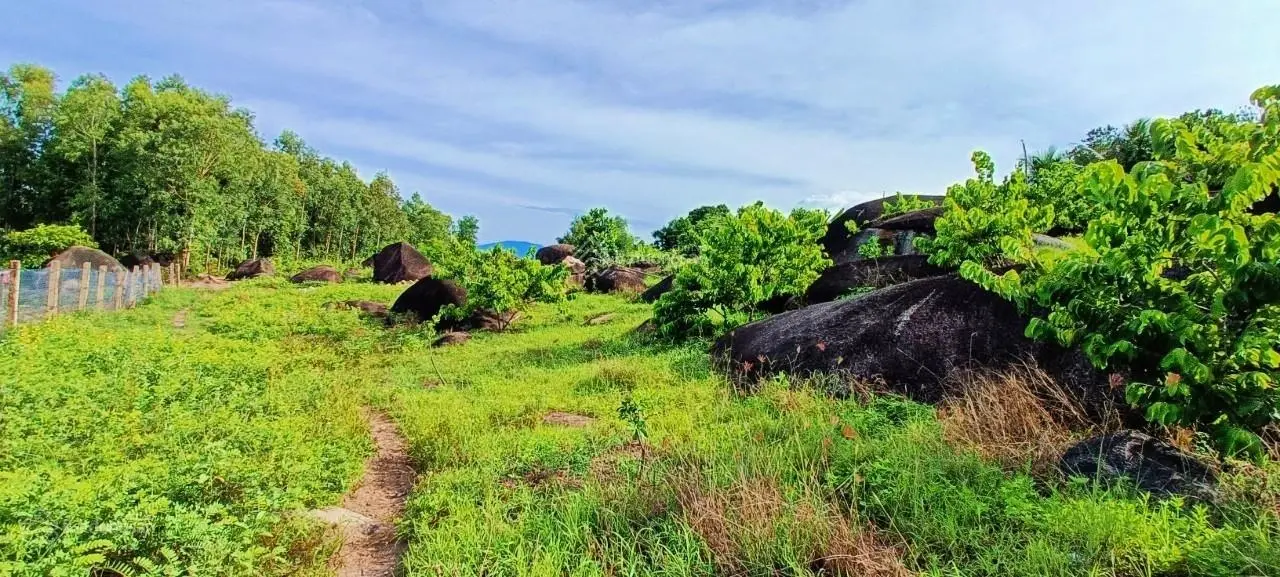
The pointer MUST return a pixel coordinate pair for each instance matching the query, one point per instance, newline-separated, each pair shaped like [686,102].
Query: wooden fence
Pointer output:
[30,295]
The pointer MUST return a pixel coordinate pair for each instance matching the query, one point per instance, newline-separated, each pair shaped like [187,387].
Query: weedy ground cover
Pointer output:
[557,448]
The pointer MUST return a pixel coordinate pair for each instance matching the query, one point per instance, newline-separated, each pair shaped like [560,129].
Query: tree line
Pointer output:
[162,166]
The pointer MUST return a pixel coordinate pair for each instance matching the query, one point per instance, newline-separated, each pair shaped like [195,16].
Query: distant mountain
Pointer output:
[519,246]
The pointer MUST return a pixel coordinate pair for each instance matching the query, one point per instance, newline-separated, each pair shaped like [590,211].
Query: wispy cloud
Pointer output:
[651,108]
[553,209]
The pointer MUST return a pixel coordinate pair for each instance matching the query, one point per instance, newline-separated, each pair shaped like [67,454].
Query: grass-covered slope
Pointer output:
[197,443]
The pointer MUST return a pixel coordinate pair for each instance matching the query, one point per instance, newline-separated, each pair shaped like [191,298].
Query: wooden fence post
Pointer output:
[131,281]
[118,297]
[15,286]
[51,297]
[102,285]
[86,271]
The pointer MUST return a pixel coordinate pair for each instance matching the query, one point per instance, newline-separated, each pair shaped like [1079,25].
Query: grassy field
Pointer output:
[129,442]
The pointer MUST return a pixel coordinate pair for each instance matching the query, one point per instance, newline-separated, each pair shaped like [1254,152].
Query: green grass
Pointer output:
[201,443]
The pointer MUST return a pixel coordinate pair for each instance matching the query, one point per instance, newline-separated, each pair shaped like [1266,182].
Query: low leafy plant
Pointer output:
[873,248]
[747,258]
[986,223]
[902,204]
[35,245]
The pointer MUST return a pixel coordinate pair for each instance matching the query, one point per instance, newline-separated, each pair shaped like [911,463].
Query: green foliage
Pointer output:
[163,166]
[36,245]
[1057,184]
[127,443]
[1180,286]
[902,204]
[132,445]
[986,223]
[680,235]
[499,281]
[873,248]
[747,258]
[600,240]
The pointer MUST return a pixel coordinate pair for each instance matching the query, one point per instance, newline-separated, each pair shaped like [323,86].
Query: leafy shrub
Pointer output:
[1181,286]
[984,222]
[1056,184]
[35,245]
[747,258]
[499,281]
[872,248]
[600,239]
[902,204]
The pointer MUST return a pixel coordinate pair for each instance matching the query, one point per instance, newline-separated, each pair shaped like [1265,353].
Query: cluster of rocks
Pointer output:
[613,279]
[915,328]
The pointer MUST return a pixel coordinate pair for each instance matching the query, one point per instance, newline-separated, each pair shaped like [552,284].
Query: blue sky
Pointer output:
[524,112]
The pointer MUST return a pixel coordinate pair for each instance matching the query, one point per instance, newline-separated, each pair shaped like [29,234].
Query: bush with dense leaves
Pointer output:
[35,245]
[1180,285]
[985,222]
[747,258]
[498,281]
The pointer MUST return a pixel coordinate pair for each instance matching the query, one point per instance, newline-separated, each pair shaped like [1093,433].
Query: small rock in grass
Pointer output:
[452,338]
[1151,464]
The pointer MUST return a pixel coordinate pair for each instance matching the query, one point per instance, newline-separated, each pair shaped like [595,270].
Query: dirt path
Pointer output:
[180,319]
[367,515]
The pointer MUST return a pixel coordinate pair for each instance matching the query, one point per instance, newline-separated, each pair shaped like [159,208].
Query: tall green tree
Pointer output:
[680,236]
[599,237]
[27,105]
[85,119]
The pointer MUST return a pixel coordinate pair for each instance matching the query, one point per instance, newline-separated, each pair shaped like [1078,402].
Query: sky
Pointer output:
[526,112]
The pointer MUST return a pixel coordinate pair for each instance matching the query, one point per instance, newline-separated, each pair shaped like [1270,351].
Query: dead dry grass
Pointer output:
[743,525]
[1016,418]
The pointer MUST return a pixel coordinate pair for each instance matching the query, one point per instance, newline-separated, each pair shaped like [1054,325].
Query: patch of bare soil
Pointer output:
[367,516]
[180,319]
[207,282]
[567,419]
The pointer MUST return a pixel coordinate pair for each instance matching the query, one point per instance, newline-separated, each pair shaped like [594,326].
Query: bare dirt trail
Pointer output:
[367,516]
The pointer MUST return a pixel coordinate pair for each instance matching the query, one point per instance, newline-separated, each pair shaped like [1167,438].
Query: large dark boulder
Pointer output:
[555,253]
[869,273]
[919,221]
[653,293]
[399,262]
[780,303]
[136,259]
[617,279]
[913,337]
[252,268]
[837,237]
[73,258]
[427,297]
[1151,464]
[322,273]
